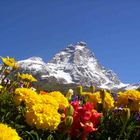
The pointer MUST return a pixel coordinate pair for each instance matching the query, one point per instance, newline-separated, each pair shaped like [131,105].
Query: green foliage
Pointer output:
[112,127]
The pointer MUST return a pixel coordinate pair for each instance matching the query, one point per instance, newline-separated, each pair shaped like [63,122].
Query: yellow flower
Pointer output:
[130,99]
[43,116]
[27,77]
[61,99]
[10,62]
[28,96]
[86,94]
[47,99]
[7,133]
[97,98]
[1,86]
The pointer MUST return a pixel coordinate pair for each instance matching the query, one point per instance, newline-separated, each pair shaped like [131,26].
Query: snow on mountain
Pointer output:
[75,64]
[132,86]
[81,66]
[34,65]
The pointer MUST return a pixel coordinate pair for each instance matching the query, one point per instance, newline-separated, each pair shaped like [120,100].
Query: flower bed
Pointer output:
[29,114]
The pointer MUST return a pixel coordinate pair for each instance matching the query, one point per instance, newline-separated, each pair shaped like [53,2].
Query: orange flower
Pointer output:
[43,92]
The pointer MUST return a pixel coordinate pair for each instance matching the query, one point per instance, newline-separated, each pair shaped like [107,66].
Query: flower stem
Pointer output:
[123,129]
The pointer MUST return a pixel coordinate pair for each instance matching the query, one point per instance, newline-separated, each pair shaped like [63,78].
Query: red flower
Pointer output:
[75,105]
[88,106]
[96,118]
[85,118]
[87,128]
[86,112]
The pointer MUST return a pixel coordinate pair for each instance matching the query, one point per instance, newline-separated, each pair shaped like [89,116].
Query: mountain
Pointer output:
[34,65]
[76,64]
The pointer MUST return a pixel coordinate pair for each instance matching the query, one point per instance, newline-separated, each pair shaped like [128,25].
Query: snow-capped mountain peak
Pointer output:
[77,54]
[75,64]
[80,45]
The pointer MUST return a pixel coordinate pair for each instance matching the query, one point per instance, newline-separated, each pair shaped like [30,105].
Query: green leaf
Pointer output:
[50,137]
[29,134]
[35,134]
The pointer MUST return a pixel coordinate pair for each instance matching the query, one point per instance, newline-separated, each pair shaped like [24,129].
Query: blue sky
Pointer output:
[111,28]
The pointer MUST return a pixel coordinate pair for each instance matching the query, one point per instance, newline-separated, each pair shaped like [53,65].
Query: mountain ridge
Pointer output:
[74,64]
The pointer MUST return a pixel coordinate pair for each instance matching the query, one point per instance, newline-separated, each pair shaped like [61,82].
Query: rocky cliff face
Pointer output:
[75,64]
